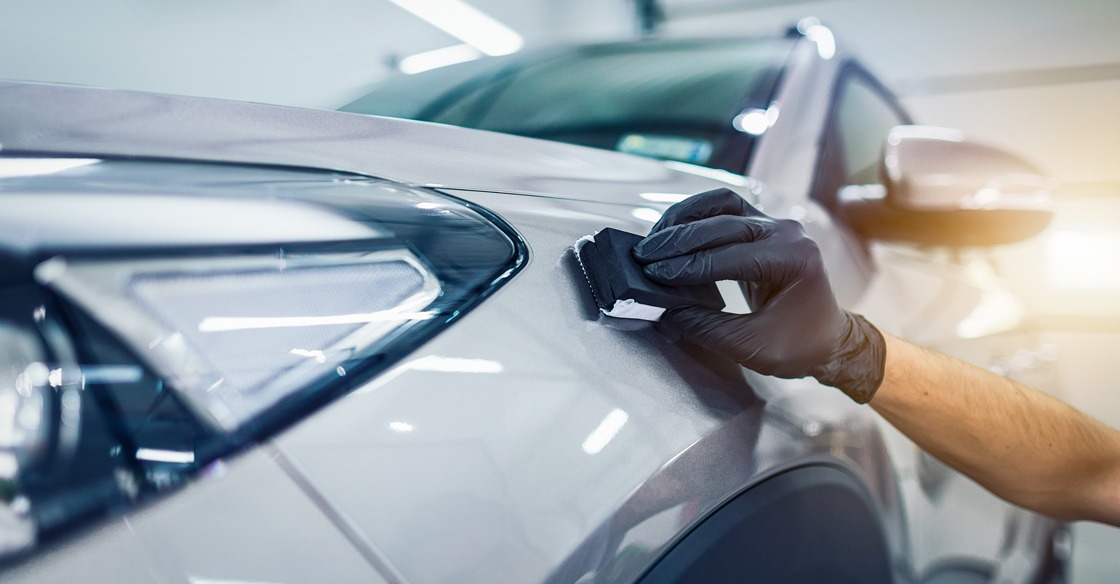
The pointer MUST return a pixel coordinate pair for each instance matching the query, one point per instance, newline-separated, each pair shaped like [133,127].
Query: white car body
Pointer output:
[532,441]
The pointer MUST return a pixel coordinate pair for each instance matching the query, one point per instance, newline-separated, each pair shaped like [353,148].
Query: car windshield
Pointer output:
[669,100]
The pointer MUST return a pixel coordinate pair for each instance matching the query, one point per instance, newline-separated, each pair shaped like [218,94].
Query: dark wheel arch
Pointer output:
[810,524]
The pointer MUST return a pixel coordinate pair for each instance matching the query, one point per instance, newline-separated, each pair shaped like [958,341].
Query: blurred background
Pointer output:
[1039,78]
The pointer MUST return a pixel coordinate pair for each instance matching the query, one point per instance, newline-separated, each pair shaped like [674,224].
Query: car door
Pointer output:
[949,300]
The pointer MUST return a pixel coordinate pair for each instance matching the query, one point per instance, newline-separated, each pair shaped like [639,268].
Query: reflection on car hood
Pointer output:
[45,118]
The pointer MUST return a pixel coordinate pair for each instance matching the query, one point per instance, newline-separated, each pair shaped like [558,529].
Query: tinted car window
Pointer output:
[863,114]
[863,118]
[667,100]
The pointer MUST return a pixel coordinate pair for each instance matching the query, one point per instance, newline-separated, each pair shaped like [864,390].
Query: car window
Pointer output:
[863,114]
[412,96]
[673,100]
[605,86]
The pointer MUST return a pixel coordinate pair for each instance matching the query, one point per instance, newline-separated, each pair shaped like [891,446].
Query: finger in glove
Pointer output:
[704,205]
[702,234]
[760,261]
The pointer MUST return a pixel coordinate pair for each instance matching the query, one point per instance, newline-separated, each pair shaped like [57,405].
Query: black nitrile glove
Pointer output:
[796,328]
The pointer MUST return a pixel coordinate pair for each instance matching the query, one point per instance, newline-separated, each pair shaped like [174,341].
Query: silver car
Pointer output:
[250,343]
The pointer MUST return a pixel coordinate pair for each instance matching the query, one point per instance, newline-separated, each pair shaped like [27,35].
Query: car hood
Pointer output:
[60,119]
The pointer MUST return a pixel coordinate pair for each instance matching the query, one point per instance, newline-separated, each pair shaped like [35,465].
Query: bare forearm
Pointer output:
[1021,444]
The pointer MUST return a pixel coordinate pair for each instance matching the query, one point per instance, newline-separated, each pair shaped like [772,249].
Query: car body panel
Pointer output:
[534,440]
[497,462]
[227,525]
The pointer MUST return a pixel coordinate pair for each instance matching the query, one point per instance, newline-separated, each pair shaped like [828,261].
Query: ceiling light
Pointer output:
[467,23]
[429,60]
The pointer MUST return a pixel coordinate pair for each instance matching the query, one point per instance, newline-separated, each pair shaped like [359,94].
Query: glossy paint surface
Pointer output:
[532,441]
[581,448]
[233,524]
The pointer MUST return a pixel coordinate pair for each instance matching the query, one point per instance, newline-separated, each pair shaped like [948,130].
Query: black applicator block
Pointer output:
[614,274]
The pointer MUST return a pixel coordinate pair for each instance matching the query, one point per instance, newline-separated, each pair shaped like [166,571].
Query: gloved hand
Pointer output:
[796,328]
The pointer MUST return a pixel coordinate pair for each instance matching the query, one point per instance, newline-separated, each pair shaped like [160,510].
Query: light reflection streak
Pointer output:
[436,364]
[819,35]
[646,214]
[605,432]
[316,354]
[454,365]
[756,121]
[238,323]
[401,427]
[712,173]
[157,455]
[13,167]
[826,43]
[111,374]
[752,121]
[664,197]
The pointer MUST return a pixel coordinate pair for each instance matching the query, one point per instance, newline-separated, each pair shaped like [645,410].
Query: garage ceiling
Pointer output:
[1037,76]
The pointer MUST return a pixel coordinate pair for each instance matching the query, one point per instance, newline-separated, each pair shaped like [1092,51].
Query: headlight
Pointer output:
[170,313]
[40,420]
[237,335]
[23,435]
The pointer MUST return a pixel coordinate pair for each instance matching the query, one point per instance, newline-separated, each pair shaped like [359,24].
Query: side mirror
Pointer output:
[940,189]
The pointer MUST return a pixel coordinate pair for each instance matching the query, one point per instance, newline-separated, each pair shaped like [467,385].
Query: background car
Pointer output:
[266,344]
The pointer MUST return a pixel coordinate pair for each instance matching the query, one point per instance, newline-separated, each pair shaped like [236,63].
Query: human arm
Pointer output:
[1021,444]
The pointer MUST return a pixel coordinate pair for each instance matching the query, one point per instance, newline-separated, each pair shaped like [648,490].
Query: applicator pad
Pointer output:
[620,288]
